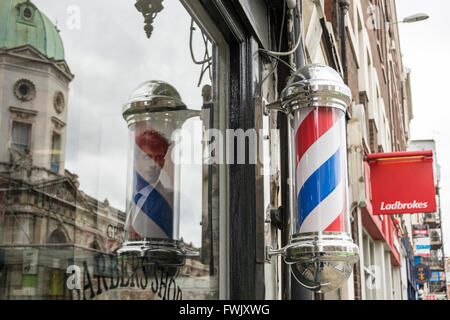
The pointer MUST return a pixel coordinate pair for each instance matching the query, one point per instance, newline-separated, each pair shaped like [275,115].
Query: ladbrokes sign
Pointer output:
[402,182]
[398,205]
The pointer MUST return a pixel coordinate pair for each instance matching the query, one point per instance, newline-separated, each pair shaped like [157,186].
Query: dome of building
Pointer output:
[21,23]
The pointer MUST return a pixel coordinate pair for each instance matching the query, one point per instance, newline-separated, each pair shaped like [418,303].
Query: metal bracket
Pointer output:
[149,9]
[267,107]
[270,252]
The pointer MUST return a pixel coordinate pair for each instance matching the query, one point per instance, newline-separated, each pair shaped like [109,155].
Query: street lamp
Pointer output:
[413,18]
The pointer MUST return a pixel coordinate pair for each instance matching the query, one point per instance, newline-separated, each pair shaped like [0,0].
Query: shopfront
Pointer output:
[140,160]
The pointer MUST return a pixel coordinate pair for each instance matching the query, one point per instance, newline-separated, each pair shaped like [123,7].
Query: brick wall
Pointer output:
[329,9]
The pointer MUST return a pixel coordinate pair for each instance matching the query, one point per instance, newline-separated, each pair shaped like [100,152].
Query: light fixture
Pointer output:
[149,9]
[413,18]
[321,252]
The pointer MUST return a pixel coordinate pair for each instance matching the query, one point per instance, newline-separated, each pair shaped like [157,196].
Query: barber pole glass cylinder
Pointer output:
[321,252]
[154,113]
[151,210]
[321,170]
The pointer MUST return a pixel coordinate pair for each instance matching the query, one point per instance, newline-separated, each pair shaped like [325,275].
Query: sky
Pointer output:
[110,55]
[425,47]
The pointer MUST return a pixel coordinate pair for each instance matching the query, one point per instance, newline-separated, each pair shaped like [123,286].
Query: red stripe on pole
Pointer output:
[153,144]
[133,233]
[315,125]
[337,225]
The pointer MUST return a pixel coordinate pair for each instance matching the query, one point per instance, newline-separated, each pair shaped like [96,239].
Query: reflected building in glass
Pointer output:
[46,221]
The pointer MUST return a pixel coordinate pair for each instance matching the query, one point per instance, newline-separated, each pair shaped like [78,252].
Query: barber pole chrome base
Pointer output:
[321,261]
[321,252]
[160,253]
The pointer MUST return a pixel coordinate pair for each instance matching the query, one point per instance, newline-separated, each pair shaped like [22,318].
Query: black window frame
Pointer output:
[246,225]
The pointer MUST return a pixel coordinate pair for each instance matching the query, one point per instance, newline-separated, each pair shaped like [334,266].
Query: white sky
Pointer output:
[426,49]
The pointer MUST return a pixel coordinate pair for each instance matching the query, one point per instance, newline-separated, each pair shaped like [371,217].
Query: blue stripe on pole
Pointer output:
[139,182]
[423,247]
[155,206]
[319,186]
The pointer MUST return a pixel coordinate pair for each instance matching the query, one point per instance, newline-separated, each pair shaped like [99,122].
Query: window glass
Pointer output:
[76,222]
[56,152]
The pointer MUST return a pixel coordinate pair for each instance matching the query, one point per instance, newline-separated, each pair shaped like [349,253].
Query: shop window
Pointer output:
[88,165]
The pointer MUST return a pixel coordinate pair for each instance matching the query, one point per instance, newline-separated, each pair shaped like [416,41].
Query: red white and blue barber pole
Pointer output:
[152,211]
[321,173]
[320,251]
[154,113]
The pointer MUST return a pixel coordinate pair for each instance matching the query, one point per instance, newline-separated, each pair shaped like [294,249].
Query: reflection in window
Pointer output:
[57,236]
[67,198]
[27,13]
[20,137]
[56,152]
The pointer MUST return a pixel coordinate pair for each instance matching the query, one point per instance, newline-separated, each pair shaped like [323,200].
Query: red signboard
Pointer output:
[402,182]
[380,229]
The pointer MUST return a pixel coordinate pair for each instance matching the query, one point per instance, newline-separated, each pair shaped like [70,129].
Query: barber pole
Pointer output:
[154,112]
[321,176]
[321,252]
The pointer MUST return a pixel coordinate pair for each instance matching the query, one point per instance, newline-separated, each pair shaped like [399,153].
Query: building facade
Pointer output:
[367,39]
[435,257]
[58,242]
[46,220]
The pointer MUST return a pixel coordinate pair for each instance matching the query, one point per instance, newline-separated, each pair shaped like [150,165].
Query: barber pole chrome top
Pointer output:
[152,97]
[316,85]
